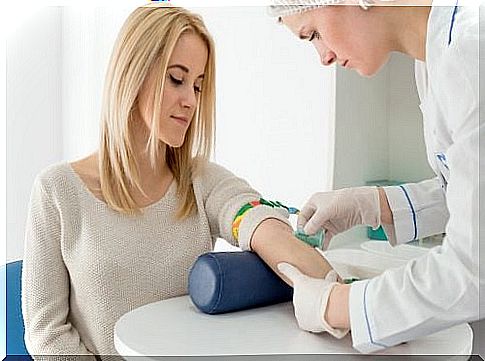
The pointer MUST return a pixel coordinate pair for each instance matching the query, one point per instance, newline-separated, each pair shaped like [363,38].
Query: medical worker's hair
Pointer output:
[147,40]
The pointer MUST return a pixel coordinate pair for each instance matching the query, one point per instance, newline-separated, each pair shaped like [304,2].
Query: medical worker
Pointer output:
[441,289]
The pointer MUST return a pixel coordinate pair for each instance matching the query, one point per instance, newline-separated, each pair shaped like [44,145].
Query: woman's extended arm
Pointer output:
[264,230]
[274,242]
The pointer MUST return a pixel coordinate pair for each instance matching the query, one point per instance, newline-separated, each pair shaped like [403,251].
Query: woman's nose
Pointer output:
[189,99]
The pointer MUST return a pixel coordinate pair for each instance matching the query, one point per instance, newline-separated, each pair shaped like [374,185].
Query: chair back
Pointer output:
[15,322]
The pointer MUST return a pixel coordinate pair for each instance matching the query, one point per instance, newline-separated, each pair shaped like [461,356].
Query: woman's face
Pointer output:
[183,84]
[347,35]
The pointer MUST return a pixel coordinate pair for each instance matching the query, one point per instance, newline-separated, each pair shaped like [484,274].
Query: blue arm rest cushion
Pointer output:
[222,282]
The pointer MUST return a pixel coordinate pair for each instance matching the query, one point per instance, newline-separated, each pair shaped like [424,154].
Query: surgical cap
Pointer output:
[281,8]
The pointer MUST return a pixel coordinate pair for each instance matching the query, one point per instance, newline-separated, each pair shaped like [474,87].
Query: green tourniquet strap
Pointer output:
[265,202]
[243,209]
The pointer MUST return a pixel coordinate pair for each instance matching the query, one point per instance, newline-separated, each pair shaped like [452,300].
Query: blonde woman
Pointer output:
[121,227]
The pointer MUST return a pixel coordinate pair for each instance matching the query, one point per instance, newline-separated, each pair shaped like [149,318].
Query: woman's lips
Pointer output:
[181,120]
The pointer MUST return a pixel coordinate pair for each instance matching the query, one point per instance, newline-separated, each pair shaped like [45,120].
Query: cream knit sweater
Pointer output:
[86,265]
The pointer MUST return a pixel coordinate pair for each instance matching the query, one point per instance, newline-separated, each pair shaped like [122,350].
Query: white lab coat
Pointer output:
[441,289]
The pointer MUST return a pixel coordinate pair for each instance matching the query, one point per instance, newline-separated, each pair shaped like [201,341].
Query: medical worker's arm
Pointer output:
[435,291]
[418,210]
[264,230]
[45,283]
[441,289]
[426,295]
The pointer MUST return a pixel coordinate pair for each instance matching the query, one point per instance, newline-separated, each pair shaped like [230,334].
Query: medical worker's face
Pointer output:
[183,83]
[346,35]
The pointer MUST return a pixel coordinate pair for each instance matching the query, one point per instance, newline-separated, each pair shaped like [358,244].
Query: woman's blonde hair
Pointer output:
[147,39]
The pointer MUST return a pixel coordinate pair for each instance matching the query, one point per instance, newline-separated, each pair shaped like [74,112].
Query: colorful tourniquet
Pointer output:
[315,240]
[242,212]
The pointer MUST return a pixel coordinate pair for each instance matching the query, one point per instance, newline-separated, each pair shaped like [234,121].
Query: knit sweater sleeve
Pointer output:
[45,281]
[225,194]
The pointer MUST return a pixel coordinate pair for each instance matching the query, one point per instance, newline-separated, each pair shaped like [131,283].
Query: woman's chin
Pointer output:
[173,142]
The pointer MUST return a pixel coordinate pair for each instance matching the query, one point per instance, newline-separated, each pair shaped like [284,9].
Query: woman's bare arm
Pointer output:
[274,242]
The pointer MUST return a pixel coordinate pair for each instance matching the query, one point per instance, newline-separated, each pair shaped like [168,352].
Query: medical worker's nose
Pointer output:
[327,57]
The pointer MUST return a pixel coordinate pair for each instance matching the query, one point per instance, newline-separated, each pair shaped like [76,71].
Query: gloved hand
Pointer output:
[340,210]
[310,297]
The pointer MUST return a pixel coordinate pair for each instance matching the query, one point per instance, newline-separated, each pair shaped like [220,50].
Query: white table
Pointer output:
[174,327]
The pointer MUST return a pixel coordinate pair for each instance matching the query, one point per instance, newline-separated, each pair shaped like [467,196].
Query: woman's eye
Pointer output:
[197,89]
[175,80]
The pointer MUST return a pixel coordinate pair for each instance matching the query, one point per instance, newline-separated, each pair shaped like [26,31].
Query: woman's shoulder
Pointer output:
[56,180]
[210,172]
[209,176]
[52,174]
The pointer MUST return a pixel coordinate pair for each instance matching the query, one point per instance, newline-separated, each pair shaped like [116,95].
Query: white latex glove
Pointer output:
[310,297]
[340,210]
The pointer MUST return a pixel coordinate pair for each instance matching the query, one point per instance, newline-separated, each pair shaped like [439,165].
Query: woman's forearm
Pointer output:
[274,242]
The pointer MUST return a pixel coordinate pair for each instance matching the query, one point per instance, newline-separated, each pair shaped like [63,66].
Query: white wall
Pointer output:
[378,126]
[88,35]
[361,145]
[33,113]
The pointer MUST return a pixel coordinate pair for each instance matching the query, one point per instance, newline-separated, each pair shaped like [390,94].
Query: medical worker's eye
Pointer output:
[197,89]
[315,35]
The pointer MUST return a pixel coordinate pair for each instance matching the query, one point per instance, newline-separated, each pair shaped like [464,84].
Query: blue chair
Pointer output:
[15,322]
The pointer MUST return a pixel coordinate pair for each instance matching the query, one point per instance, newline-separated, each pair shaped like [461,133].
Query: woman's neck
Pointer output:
[154,181]
[141,136]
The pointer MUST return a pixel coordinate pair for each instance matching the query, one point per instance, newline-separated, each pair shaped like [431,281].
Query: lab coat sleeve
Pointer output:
[419,210]
[440,289]
[225,195]
[45,283]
